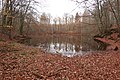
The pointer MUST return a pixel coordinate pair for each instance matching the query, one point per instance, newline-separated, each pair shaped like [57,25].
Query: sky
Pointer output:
[60,7]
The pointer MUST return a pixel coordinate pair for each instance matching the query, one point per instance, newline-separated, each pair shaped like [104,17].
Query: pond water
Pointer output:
[67,45]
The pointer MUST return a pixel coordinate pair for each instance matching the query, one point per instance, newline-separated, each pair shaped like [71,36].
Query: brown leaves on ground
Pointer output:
[19,62]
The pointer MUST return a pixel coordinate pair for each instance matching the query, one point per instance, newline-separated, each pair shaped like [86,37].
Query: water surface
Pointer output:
[67,45]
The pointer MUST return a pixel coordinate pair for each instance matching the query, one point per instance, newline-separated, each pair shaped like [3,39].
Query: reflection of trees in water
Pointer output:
[60,47]
[88,43]
[77,48]
[71,43]
[66,46]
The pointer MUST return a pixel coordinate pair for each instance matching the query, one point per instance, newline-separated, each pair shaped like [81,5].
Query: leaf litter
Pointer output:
[20,62]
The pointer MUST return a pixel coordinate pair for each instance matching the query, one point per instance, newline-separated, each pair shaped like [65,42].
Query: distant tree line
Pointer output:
[58,24]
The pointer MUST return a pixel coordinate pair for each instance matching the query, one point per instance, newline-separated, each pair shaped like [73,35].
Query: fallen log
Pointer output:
[109,39]
[112,44]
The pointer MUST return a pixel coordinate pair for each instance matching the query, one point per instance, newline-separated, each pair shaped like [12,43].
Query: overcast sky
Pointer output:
[59,7]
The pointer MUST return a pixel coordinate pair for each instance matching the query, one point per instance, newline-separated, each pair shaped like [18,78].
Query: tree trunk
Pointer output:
[21,23]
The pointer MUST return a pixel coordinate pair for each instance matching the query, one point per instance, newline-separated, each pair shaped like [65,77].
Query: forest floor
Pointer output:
[21,62]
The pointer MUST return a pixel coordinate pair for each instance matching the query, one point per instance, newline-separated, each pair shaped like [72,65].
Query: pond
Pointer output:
[67,45]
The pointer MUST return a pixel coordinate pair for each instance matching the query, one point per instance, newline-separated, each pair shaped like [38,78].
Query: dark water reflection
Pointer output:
[66,45]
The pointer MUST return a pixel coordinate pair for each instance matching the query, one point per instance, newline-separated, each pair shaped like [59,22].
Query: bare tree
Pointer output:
[25,6]
[7,16]
[103,11]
